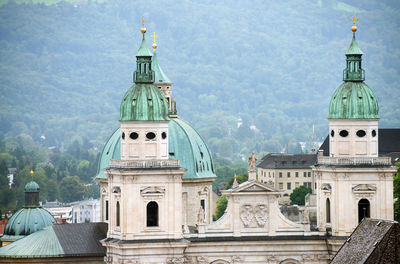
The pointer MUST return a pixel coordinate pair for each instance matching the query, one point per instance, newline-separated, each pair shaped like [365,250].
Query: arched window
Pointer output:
[117,214]
[106,210]
[363,209]
[152,214]
[328,210]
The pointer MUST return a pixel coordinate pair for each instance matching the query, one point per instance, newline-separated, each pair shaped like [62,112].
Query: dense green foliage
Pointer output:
[299,194]
[63,176]
[396,193]
[65,65]
[222,203]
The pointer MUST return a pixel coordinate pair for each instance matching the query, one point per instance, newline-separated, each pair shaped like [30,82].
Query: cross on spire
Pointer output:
[354,28]
[154,41]
[143,29]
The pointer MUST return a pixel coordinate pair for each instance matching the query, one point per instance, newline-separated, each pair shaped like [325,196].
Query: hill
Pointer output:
[65,66]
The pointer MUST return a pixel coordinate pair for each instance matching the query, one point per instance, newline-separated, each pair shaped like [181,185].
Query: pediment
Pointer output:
[364,188]
[252,186]
[152,190]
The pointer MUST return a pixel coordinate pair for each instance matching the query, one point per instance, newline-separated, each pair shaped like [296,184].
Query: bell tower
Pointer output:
[353,182]
[144,186]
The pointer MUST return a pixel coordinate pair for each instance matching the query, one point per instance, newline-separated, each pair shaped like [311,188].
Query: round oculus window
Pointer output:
[344,133]
[123,135]
[134,135]
[163,135]
[373,133]
[150,135]
[361,133]
[332,133]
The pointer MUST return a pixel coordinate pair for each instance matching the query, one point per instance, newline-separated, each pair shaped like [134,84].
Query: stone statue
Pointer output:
[201,217]
[252,161]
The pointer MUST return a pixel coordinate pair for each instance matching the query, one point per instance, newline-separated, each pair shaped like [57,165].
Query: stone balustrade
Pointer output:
[354,160]
[145,164]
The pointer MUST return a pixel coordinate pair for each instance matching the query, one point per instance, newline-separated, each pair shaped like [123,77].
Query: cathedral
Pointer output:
[156,173]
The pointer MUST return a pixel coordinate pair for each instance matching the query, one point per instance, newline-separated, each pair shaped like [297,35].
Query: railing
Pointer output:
[145,164]
[354,160]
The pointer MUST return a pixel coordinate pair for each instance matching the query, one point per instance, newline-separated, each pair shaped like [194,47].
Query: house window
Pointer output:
[288,174]
[280,174]
[305,174]
[296,184]
[297,174]
[152,214]
[309,174]
[117,214]
[289,186]
[281,186]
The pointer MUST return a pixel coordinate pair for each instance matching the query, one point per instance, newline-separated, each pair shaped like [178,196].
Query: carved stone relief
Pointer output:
[236,260]
[250,212]
[246,214]
[202,260]
[261,215]
[177,260]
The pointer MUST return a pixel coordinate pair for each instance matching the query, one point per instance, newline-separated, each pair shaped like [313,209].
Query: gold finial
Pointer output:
[32,171]
[154,41]
[354,28]
[143,29]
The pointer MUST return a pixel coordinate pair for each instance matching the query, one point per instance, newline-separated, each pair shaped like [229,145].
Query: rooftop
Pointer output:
[373,241]
[287,161]
[68,240]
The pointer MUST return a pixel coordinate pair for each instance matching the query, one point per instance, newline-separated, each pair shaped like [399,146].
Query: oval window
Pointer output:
[373,133]
[361,133]
[164,135]
[134,135]
[343,133]
[150,135]
[332,133]
[123,135]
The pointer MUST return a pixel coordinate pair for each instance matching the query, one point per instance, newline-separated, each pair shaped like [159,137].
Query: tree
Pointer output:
[221,207]
[240,179]
[52,190]
[298,195]
[72,189]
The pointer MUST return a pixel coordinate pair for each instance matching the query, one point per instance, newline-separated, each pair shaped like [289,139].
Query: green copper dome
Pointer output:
[185,144]
[144,102]
[27,221]
[353,98]
[32,186]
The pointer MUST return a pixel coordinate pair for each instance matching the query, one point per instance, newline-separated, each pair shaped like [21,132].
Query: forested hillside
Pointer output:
[65,66]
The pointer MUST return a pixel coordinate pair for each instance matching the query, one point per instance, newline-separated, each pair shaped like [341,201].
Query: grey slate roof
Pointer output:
[67,240]
[287,161]
[373,241]
[389,141]
[82,239]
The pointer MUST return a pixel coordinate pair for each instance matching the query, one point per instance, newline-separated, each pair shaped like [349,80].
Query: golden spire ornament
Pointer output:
[154,42]
[143,29]
[354,28]
[31,172]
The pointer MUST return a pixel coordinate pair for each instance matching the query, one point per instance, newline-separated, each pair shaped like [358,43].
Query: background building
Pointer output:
[285,172]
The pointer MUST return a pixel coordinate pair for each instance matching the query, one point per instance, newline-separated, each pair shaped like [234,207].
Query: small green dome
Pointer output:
[32,186]
[144,102]
[353,100]
[185,144]
[27,221]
